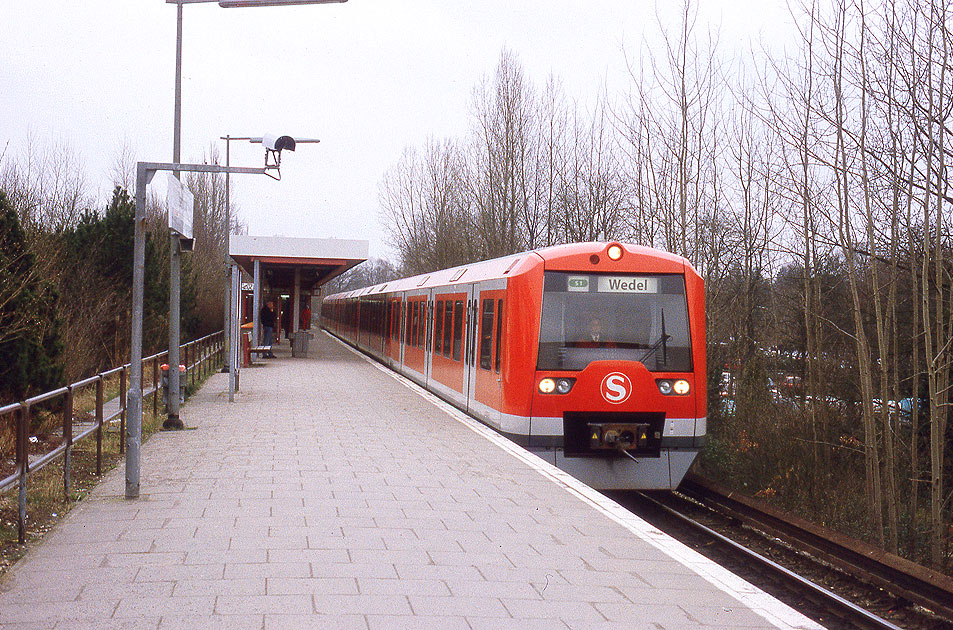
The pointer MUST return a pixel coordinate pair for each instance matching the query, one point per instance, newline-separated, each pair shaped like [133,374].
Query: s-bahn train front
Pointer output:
[619,392]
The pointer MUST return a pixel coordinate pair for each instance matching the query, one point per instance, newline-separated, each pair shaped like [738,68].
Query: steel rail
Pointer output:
[841,607]
[926,588]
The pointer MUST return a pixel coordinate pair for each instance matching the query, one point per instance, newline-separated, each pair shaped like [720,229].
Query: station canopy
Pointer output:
[317,260]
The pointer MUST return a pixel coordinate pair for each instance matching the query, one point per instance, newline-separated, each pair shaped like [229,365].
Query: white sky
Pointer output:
[369,78]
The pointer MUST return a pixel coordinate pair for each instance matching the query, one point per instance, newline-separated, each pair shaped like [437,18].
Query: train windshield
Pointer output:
[595,317]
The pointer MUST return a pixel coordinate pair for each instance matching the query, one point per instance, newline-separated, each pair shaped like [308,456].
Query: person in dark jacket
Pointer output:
[267,318]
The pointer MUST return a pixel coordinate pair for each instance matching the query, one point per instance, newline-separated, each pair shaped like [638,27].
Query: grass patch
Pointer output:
[46,503]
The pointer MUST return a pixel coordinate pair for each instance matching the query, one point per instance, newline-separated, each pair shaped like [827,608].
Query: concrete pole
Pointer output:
[234,331]
[175,250]
[296,313]
[227,329]
[134,395]
[256,306]
[175,268]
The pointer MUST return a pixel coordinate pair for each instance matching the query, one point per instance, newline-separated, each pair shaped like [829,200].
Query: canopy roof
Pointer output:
[319,259]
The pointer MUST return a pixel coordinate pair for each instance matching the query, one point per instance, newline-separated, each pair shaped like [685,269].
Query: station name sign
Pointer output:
[613,284]
[631,284]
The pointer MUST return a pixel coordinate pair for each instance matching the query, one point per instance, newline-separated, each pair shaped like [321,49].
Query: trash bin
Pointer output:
[165,384]
[300,341]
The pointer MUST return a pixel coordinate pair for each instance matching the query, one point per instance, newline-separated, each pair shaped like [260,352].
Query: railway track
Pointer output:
[839,582]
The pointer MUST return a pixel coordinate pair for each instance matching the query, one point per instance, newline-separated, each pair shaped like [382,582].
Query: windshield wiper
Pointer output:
[661,343]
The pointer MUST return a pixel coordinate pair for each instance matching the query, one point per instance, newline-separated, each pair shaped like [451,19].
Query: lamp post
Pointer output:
[173,421]
[144,173]
[232,366]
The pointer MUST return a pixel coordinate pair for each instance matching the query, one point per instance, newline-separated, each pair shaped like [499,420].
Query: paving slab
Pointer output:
[333,494]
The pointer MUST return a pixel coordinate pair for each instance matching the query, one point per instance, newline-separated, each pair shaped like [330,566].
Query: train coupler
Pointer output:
[618,436]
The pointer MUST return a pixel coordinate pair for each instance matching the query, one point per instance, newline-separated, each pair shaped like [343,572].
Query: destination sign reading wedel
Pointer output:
[627,284]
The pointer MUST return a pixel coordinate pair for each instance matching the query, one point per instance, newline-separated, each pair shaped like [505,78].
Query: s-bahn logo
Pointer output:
[616,388]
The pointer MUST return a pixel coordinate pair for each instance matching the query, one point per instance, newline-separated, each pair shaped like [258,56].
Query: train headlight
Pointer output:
[673,387]
[614,252]
[563,385]
[556,385]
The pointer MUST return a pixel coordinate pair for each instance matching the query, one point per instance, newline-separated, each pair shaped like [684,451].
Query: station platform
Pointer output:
[333,494]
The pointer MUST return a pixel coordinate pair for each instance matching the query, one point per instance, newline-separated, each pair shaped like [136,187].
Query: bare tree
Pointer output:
[592,195]
[502,147]
[46,185]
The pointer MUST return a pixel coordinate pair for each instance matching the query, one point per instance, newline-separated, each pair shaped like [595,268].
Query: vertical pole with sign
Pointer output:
[181,205]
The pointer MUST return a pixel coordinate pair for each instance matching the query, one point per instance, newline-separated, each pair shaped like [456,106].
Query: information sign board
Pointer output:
[181,205]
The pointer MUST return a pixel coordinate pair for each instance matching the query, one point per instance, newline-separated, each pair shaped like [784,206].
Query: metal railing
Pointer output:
[200,358]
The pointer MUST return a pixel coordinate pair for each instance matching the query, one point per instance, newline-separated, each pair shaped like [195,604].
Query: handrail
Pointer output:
[203,351]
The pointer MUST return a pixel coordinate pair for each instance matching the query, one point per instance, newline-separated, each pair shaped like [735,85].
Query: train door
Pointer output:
[401,328]
[486,380]
[472,333]
[415,336]
[449,344]
[428,339]
[392,331]
[486,388]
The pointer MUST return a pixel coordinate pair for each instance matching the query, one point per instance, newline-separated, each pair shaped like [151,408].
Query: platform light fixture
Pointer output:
[176,244]
[232,4]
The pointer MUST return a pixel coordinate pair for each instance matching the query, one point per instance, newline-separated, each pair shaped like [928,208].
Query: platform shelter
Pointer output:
[296,267]
[281,266]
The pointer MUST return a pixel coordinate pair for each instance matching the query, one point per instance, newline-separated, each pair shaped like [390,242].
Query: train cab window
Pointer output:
[438,332]
[499,333]
[457,329]
[594,317]
[447,327]
[486,334]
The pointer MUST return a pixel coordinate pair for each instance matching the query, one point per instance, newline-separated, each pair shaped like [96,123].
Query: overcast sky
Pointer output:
[369,78]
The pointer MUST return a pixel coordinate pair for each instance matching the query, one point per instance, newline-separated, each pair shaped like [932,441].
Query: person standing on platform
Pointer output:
[306,317]
[285,320]
[267,318]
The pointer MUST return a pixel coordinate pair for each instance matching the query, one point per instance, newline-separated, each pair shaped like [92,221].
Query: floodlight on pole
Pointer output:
[230,4]
[271,143]
[176,243]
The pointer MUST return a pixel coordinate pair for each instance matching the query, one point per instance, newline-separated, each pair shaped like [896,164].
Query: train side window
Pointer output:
[416,324]
[403,319]
[447,327]
[438,333]
[396,332]
[457,329]
[486,334]
[499,332]
[421,323]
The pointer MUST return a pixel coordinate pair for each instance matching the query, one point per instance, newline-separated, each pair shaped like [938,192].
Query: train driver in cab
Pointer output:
[595,336]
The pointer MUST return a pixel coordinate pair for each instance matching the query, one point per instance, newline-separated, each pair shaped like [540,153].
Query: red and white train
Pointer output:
[591,355]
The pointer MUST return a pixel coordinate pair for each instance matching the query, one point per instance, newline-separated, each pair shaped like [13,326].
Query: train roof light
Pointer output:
[614,251]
